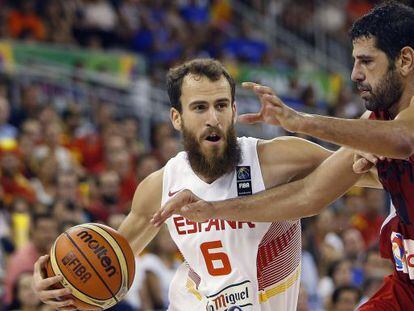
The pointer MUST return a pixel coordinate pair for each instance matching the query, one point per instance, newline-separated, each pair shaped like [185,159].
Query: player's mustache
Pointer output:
[364,87]
[212,130]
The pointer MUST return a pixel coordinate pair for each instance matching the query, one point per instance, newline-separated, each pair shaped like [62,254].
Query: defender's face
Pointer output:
[207,112]
[378,83]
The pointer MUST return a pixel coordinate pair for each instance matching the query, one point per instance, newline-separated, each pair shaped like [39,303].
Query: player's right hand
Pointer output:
[41,285]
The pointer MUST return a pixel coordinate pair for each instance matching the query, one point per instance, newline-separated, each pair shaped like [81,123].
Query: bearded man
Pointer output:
[229,265]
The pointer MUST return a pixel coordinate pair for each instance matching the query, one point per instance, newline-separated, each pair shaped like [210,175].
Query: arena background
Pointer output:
[84,119]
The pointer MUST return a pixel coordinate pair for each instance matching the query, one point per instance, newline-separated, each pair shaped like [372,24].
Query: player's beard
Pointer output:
[387,93]
[216,164]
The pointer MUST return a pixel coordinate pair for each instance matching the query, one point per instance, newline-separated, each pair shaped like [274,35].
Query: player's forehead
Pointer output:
[364,46]
[201,88]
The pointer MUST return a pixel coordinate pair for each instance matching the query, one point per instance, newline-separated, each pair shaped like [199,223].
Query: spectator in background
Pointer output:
[345,298]
[28,107]
[44,180]
[354,247]
[118,159]
[370,219]
[95,26]
[339,274]
[160,132]
[53,146]
[7,131]
[58,20]
[107,201]
[146,165]
[32,129]
[24,23]
[20,222]
[25,299]
[13,182]
[159,266]
[130,130]
[43,232]
[168,149]
[375,266]
[70,202]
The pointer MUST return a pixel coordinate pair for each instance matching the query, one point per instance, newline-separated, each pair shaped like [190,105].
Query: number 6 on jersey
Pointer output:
[209,257]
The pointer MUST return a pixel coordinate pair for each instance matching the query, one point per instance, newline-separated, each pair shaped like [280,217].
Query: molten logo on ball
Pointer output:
[99,250]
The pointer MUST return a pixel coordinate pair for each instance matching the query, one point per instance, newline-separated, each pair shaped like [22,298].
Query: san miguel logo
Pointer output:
[231,298]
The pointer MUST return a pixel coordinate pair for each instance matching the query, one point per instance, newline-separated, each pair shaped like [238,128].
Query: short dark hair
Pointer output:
[208,67]
[339,290]
[391,24]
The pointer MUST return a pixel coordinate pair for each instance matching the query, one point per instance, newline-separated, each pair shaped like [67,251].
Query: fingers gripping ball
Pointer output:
[96,263]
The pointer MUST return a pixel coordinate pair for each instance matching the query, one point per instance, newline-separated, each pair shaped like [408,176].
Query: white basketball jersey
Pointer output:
[231,265]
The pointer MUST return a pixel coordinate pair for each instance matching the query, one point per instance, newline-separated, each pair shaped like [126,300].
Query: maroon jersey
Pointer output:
[397,233]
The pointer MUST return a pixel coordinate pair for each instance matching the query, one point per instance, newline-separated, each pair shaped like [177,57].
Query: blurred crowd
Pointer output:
[60,166]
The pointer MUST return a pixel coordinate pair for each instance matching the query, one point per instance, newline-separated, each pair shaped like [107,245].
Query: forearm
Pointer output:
[392,139]
[301,198]
[138,232]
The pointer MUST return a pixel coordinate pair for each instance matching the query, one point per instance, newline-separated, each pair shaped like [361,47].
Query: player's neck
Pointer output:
[207,180]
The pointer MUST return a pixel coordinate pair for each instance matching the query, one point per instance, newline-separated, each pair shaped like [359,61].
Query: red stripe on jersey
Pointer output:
[279,253]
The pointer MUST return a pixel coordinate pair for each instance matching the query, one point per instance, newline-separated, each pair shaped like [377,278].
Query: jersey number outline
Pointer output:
[209,257]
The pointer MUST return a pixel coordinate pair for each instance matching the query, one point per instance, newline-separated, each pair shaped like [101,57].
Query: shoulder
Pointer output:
[289,148]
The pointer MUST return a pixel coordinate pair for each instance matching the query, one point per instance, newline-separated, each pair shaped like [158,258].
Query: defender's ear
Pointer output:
[175,117]
[406,61]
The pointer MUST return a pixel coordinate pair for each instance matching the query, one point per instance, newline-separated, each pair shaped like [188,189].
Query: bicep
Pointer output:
[136,228]
[289,158]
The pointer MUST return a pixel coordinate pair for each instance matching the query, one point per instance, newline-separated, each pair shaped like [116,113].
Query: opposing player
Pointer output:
[228,263]
[383,43]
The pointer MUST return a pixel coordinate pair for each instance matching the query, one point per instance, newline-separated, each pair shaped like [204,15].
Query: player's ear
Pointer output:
[175,117]
[406,61]
[234,108]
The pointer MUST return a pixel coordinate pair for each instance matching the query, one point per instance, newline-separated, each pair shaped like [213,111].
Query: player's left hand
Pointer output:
[273,111]
[364,161]
[186,204]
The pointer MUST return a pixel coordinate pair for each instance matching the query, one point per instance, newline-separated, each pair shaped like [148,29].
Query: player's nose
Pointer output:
[213,118]
[357,75]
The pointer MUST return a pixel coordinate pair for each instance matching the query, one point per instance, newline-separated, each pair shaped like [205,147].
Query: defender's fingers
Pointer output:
[250,118]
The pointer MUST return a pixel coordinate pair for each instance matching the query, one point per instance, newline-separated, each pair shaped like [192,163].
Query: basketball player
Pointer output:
[229,264]
[383,43]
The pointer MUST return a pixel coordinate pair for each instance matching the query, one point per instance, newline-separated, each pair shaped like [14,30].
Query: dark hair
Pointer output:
[339,290]
[391,25]
[210,68]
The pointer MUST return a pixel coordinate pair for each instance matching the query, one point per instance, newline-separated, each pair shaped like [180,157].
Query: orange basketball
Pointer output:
[97,264]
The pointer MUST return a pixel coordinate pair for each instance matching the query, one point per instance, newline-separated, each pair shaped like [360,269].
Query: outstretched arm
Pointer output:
[393,139]
[302,198]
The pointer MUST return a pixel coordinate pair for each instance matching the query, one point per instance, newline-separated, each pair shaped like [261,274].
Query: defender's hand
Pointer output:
[52,297]
[364,161]
[186,204]
[273,111]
